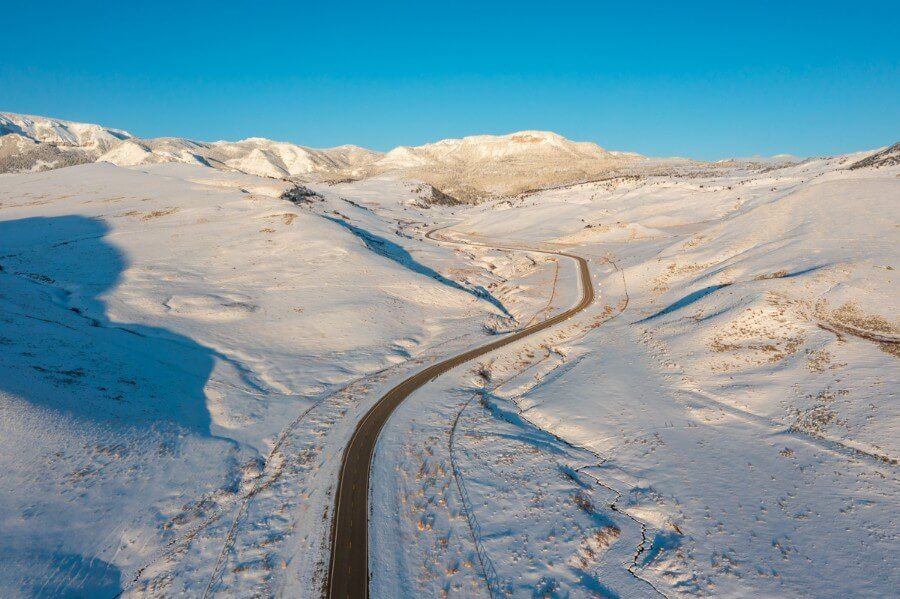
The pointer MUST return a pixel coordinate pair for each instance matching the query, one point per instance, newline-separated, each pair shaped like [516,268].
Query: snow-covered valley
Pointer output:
[188,341]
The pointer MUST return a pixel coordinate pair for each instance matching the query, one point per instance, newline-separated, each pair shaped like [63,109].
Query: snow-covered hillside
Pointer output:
[482,166]
[61,133]
[722,423]
[30,143]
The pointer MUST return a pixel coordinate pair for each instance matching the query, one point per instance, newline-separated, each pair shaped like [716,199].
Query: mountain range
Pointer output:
[472,168]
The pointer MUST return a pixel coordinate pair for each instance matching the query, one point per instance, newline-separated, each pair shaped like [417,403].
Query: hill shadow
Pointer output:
[49,575]
[684,302]
[61,350]
[400,255]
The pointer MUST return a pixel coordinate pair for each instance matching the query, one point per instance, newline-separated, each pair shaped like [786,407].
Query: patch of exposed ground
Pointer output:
[760,335]
[850,319]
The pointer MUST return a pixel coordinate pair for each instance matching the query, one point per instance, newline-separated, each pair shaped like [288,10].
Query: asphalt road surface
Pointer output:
[349,572]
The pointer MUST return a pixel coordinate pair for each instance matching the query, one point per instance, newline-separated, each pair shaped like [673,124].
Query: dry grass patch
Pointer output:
[159,213]
[763,335]
[850,319]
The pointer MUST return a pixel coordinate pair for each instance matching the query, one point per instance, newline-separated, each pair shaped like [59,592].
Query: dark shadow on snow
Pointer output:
[797,273]
[143,386]
[701,293]
[64,353]
[685,301]
[50,575]
[399,254]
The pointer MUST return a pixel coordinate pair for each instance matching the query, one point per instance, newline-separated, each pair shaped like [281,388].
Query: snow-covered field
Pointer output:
[184,354]
[724,421]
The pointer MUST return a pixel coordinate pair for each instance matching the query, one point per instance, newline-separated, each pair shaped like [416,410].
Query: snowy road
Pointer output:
[348,575]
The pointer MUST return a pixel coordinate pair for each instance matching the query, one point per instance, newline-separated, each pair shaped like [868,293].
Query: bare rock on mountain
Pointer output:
[20,154]
[442,199]
[886,157]
[429,195]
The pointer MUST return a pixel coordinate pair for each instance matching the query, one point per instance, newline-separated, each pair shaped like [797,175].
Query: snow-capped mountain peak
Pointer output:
[531,145]
[60,132]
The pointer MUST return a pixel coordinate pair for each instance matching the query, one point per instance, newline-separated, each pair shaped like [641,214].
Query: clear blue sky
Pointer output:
[700,79]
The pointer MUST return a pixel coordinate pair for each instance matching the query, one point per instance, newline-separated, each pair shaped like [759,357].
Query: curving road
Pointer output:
[349,572]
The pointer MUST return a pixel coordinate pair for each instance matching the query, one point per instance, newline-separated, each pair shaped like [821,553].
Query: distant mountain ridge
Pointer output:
[60,132]
[24,141]
[470,168]
[482,166]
